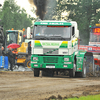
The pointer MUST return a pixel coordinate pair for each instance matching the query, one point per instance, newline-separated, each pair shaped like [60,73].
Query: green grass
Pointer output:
[90,97]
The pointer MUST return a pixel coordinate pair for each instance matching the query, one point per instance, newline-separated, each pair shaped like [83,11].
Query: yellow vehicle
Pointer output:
[14,36]
[24,55]
[17,36]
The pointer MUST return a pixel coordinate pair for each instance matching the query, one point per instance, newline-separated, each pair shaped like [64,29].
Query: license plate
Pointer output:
[50,66]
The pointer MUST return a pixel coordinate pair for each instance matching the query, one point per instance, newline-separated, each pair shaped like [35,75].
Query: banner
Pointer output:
[89,48]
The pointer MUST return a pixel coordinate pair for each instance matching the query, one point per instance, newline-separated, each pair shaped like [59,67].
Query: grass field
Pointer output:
[90,97]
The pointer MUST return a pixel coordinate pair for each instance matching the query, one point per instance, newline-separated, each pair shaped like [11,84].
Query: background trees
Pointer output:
[13,16]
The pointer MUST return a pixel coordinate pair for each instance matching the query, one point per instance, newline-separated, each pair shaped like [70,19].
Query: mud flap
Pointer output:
[97,70]
[89,63]
[90,67]
[48,73]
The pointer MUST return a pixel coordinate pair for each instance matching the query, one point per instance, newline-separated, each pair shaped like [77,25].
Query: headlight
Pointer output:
[67,62]
[65,66]
[35,65]
[33,62]
[35,58]
[66,59]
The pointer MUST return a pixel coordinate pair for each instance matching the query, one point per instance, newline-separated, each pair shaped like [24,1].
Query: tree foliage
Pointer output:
[13,16]
[84,12]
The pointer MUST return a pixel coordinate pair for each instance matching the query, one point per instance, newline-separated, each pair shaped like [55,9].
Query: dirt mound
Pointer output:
[78,92]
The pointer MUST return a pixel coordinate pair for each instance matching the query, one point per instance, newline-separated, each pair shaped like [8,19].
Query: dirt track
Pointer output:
[24,86]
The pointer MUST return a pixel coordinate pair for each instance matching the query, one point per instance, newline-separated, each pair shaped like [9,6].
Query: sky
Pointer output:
[23,4]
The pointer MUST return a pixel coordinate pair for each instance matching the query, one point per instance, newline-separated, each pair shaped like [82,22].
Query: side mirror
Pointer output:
[28,32]
[77,34]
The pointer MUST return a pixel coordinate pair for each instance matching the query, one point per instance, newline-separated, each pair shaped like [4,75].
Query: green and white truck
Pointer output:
[55,48]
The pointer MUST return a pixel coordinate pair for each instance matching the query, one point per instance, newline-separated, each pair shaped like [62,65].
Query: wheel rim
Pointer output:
[29,64]
[84,72]
[74,70]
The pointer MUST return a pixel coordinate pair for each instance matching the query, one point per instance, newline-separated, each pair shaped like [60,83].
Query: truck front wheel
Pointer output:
[36,72]
[72,71]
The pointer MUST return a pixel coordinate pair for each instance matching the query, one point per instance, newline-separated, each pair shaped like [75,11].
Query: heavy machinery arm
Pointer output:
[2,39]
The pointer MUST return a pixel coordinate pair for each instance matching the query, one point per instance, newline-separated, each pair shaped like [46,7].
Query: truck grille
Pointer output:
[50,59]
[51,51]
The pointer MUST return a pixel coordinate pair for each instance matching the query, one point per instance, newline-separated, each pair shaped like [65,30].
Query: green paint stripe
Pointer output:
[63,47]
[53,23]
[74,44]
[37,46]
[37,43]
[64,44]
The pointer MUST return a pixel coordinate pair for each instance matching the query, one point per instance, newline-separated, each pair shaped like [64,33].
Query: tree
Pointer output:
[84,12]
[13,16]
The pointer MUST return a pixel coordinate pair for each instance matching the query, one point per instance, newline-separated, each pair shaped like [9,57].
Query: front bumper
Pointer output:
[51,62]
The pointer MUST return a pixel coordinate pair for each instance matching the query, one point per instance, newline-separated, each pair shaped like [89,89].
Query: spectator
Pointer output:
[11,58]
[2,52]
[2,48]
[15,54]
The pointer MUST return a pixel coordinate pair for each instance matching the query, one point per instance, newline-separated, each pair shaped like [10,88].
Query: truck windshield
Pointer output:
[12,37]
[52,32]
[94,35]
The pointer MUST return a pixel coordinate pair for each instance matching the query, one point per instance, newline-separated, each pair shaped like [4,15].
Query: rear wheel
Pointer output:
[83,73]
[36,72]
[90,66]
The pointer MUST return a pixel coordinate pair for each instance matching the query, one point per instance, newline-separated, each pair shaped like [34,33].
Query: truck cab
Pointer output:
[55,35]
[14,36]
[95,35]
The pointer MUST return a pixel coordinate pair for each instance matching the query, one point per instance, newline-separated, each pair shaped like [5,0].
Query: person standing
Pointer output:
[2,51]
[1,48]
[11,58]
[15,53]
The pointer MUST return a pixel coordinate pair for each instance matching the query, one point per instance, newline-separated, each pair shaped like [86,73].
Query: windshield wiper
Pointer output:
[41,37]
[57,37]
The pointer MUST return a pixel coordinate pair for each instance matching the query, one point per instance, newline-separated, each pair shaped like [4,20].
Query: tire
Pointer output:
[28,63]
[36,72]
[83,73]
[93,68]
[90,66]
[72,71]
